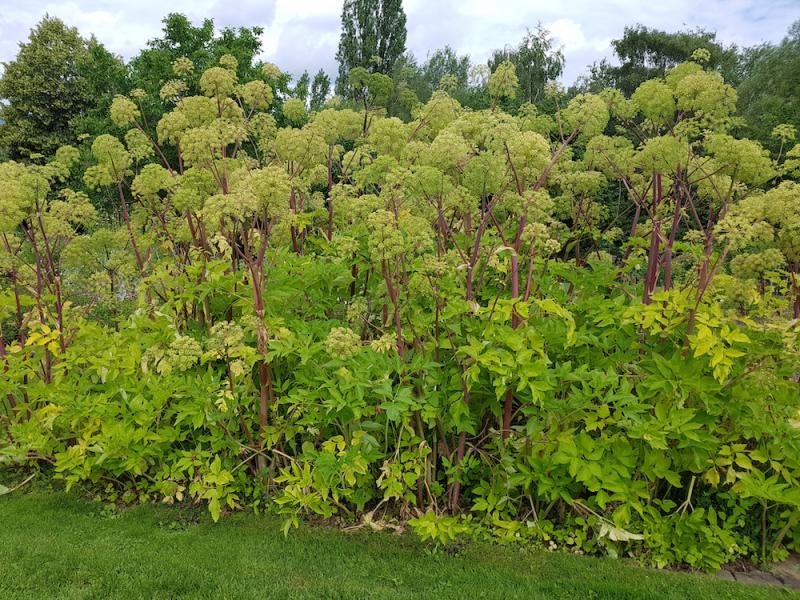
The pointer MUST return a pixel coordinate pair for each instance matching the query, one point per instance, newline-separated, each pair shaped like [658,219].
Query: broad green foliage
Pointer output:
[578,330]
[537,63]
[644,53]
[504,83]
[54,88]
[181,55]
[769,94]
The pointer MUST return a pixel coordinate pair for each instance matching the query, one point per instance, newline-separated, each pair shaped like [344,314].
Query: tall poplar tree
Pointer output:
[301,88]
[373,36]
[320,88]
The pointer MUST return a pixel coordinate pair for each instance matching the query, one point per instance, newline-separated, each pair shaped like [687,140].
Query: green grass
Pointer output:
[55,545]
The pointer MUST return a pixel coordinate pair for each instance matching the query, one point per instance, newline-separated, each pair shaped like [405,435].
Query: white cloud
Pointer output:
[303,34]
[567,32]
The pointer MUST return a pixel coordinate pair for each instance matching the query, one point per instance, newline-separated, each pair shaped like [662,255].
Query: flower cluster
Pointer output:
[182,66]
[294,109]
[755,266]
[138,144]
[217,82]
[255,94]
[124,111]
[588,114]
[172,90]
[342,343]
[503,83]
[151,181]
[655,101]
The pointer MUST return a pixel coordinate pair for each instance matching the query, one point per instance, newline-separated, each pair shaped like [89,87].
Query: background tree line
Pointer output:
[60,85]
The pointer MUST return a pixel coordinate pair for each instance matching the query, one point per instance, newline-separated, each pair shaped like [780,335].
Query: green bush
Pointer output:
[438,322]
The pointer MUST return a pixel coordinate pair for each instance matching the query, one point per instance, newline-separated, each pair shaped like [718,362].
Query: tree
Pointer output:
[504,82]
[646,53]
[536,61]
[55,80]
[373,37]
[301,87]
[370,89]
[445,62]
[442,63]
[769,94]
[152,67]
[320,88]
[106,76]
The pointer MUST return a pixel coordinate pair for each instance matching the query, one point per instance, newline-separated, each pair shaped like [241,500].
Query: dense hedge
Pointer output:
[577,329]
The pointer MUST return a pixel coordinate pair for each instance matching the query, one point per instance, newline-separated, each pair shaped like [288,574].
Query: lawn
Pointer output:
[58,545]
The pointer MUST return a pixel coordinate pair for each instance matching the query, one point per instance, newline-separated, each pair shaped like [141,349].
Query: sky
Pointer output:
[303,34]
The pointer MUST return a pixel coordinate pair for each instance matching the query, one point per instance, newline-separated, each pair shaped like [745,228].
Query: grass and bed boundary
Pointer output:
[60,545]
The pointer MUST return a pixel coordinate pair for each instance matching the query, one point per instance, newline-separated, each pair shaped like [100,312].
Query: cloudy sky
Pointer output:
[300,34]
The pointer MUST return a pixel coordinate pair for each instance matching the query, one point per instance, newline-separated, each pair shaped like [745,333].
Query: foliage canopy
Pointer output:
[577,328]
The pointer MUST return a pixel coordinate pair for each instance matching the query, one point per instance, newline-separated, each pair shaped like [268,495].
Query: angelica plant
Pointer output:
[582,317]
